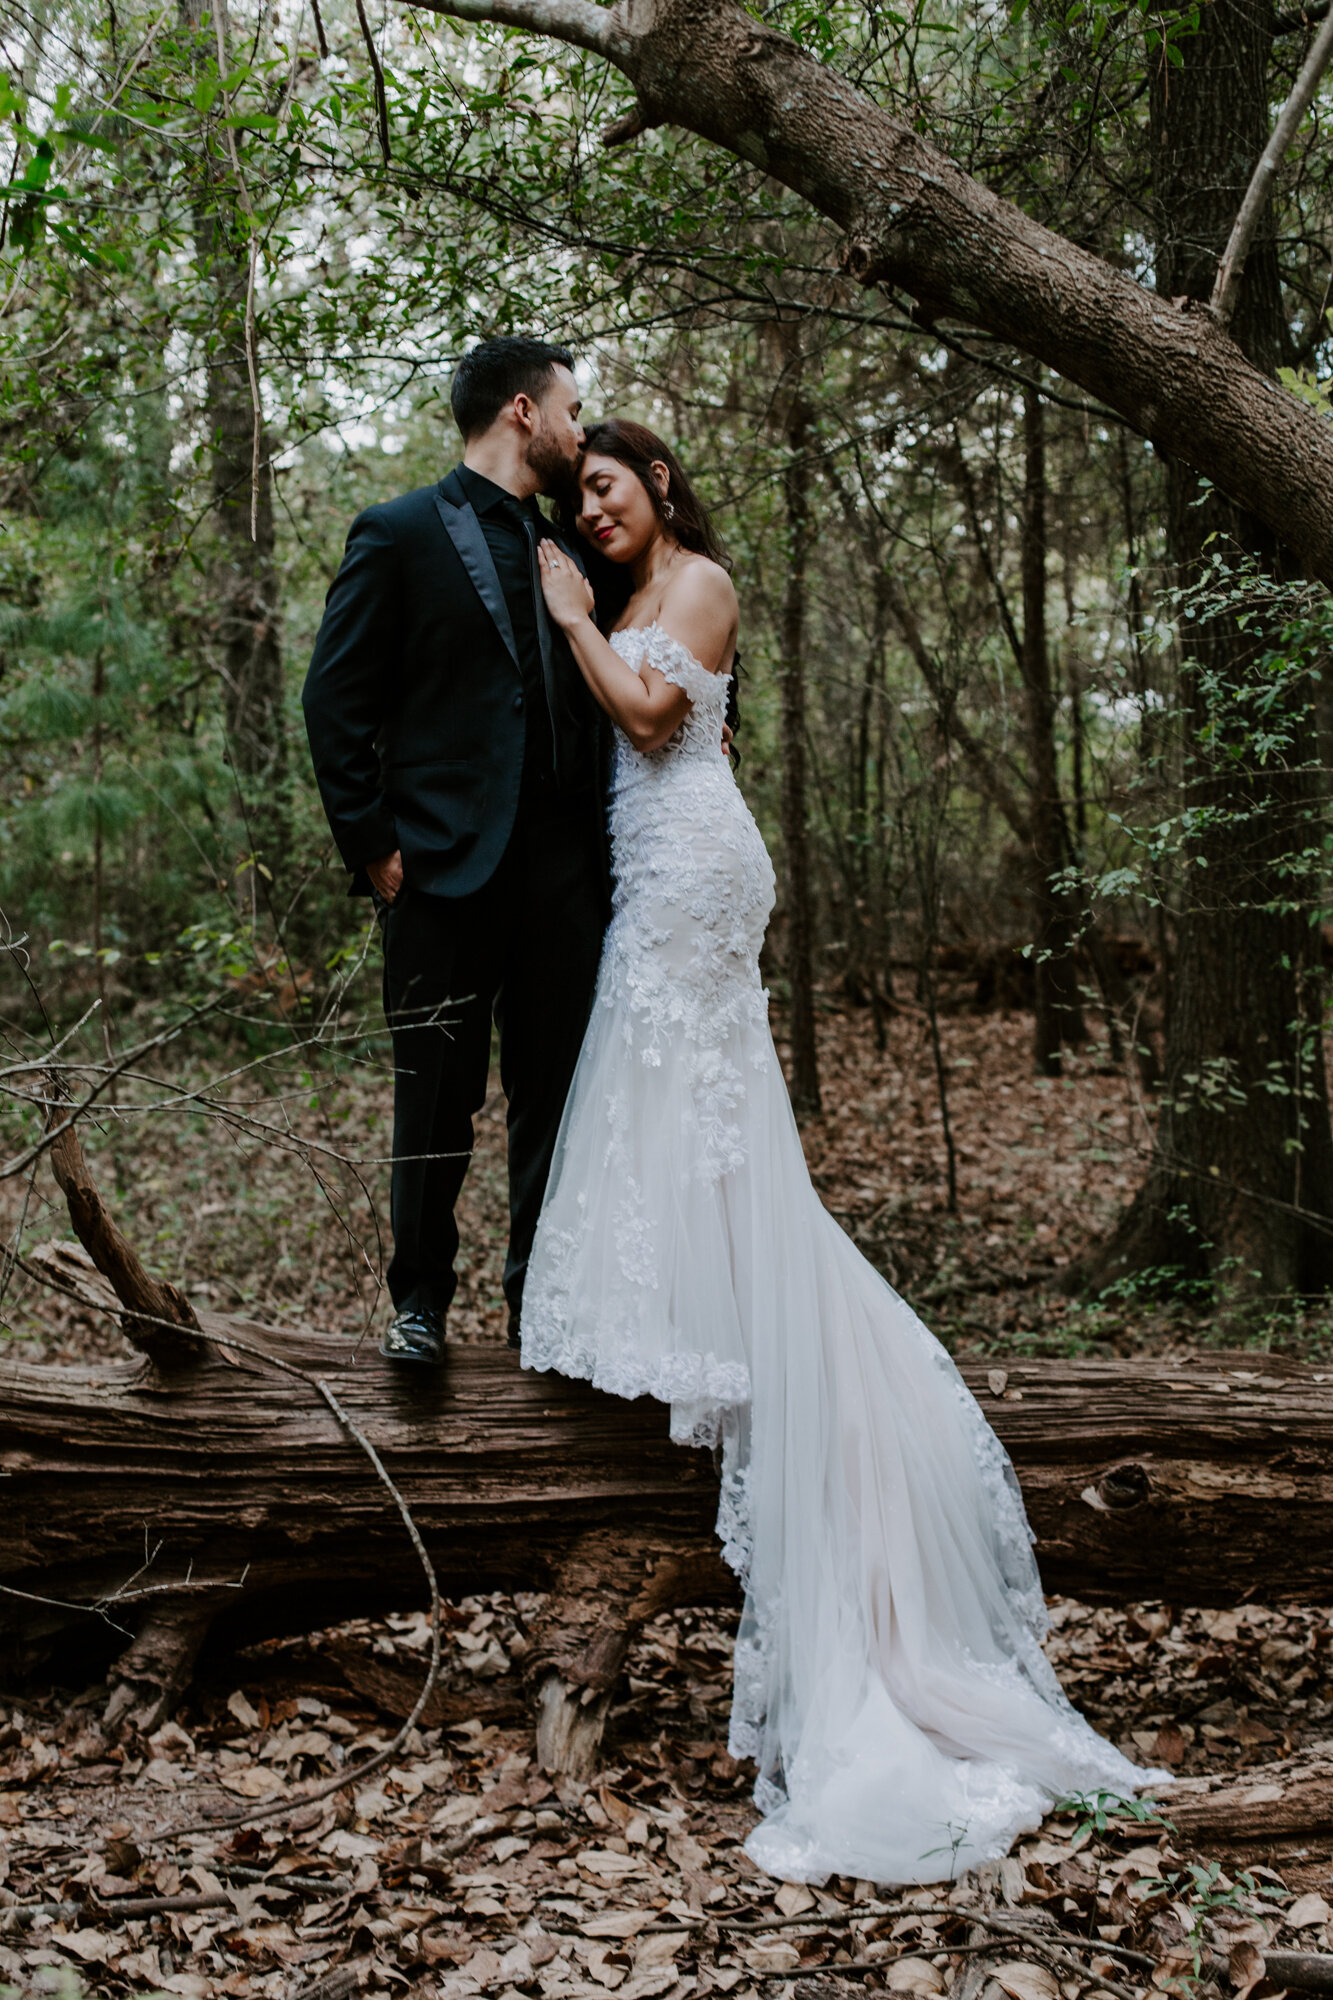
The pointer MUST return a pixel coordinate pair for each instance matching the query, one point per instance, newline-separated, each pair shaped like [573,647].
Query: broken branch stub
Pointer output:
[153,1308]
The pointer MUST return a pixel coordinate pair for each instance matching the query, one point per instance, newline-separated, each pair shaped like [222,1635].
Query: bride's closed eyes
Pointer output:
[618,515]
[592,516]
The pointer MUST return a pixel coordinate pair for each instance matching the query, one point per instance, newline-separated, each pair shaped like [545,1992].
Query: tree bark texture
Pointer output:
[1241,1189]
[795,825]
[157,1314]
[1267,1802]
[914,220]
[1203,1483]
[1058,1010]
[607,1586]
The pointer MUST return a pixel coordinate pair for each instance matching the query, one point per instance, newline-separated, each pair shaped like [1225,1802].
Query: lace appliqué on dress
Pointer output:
[679,992]
[889,1679]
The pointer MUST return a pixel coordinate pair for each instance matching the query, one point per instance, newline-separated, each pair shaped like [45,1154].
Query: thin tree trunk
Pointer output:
[1078,747]
[1241,1188]
[1148,732]
[795,827]
[877,940]
[99,856]
[245,578]
[926,855]
[1058,1016]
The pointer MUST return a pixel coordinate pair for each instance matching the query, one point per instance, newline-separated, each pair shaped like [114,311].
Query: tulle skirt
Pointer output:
[889,1677]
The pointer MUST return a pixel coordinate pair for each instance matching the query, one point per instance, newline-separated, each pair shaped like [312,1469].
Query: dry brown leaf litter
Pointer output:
[463,1870]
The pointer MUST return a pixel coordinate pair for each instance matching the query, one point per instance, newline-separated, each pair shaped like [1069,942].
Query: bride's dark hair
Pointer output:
[637,447]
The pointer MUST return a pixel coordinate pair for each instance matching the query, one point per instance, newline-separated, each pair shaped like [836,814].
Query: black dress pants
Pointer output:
[522,950]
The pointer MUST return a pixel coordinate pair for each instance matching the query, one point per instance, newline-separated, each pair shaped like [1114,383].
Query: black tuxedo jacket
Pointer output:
[414,699]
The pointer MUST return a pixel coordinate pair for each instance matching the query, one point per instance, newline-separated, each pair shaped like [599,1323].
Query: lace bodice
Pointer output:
[694,884]
[643,646]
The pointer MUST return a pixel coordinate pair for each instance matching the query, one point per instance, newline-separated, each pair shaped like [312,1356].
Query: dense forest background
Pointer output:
[1034,718]
[1038,724]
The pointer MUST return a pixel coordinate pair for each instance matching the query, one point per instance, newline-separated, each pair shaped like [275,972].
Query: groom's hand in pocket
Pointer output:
[386,876]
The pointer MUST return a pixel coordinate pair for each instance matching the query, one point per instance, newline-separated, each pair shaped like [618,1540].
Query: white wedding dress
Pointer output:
[889,1677]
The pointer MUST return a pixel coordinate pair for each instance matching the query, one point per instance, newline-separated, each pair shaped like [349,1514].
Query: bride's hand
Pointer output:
[566,589]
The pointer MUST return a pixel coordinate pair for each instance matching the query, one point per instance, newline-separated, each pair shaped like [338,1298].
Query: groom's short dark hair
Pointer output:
[495,371]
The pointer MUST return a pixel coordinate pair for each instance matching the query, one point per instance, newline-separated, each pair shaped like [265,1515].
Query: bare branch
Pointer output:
[983,770]
[119,1264]
[581,22]
[381,101]
[1230,270]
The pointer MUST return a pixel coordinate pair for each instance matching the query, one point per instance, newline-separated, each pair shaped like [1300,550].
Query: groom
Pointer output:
[460,762]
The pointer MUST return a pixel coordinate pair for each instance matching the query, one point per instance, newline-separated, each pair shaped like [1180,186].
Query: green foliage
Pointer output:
[1198,1890]
[1093,1812]
[147,175]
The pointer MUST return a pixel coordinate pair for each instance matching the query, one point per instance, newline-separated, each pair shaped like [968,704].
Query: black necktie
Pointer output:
[527,522]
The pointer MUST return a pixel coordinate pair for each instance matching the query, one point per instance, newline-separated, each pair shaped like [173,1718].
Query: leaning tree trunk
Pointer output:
[1241,1186]
[915,220]
[1058,1011]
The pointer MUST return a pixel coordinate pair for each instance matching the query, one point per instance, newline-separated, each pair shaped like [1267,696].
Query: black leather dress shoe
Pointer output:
[515,1337]
[416,1335]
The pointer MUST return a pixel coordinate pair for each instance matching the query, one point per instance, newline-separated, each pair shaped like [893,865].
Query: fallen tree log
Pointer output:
[1288,1799]
[226,1477]
[229,1486]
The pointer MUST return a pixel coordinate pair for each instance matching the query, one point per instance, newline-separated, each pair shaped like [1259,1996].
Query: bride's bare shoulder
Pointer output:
[700,588]
[699,608]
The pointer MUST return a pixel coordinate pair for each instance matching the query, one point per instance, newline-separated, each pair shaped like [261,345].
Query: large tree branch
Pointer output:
[913,219]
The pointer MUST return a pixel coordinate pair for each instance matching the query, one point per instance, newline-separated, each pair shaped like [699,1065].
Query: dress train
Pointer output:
[889,1677]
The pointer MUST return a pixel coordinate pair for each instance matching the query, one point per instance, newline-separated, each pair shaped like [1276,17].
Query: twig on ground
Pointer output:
[336,1985]
[329,1885]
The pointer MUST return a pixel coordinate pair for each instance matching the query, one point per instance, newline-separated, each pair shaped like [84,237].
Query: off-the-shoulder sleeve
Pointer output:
[676,663]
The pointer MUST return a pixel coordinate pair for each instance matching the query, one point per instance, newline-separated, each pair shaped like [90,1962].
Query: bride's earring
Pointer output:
[668,511]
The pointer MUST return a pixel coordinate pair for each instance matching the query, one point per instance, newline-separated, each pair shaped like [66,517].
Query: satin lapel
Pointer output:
[464,531]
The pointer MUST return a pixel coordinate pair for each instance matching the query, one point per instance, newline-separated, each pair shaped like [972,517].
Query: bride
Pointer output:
[889,1677]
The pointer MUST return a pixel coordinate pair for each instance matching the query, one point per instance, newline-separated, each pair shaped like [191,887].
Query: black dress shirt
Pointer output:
[501,517]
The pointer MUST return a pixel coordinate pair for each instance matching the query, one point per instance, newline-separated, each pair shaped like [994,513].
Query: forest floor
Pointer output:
[240,1195]
[461,1870]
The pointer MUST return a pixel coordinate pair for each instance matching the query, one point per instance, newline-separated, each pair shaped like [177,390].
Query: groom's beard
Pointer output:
[557,476]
